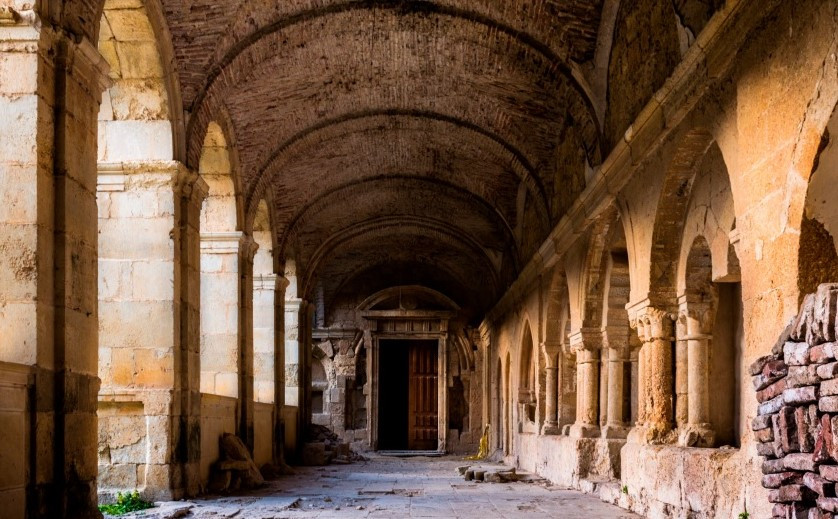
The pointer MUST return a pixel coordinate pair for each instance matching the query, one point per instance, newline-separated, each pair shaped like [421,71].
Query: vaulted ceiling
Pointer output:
[425,140]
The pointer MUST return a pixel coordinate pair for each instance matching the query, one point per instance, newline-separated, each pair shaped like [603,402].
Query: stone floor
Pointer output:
[393,488]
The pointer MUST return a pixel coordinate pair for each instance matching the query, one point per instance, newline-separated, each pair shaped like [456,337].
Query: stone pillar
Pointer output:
[587,344]
[442,392]
[294,355]
[49,100]
[264,337]
[698,319]
[247,251]
[654,328]
[551,350]
[220,313]
[616,342]
[144,247]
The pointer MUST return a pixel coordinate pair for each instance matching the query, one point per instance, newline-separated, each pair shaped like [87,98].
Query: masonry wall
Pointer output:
[751,119]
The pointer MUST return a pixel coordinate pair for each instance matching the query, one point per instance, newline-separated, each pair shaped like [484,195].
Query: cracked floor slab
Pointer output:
[392,488]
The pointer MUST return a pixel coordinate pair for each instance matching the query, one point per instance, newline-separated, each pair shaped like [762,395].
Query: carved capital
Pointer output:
[653,324]
[696,316]
[589,339]
[248,248]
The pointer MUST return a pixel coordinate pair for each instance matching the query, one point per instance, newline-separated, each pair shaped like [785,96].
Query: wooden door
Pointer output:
[422,397]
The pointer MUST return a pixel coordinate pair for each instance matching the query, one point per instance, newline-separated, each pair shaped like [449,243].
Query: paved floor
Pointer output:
[395,488]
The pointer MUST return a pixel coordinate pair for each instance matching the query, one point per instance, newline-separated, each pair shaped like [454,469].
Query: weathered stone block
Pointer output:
[779,479]
[829,472]
[802,376]
[818,484]
[830,504]
[773,466]
[773,390]
[800,395]
[790,494]
[796,353]
[806,418]
[799,461]
[785,431]
[761,422]
[828,371]
[771,406]
[828,404]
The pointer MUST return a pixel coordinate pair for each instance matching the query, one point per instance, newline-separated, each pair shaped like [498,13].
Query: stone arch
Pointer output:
[818,247]
[527,377]
[140,114]
[709,343]
[558,356]
[222,246]
[618,381]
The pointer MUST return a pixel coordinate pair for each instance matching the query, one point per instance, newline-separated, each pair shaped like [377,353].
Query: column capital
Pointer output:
[652,323]
[190,185]
[248,248]
[551,347]
[616,337]
[123,176]
[696,314]
[221,242]
[281,282]
[586,339]
[265,282]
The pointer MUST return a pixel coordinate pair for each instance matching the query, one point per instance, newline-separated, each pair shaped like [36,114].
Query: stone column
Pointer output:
[442,397]
[616,342]
[247,251]
[698,318]
[587,344]
[220,313]
[264,337]
[681,373]
[143,250]
[551,350]
[654,328]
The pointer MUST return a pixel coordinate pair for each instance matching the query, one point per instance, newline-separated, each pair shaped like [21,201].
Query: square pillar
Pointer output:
[149,374]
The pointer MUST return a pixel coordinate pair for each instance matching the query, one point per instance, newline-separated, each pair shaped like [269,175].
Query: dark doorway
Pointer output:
[407,389]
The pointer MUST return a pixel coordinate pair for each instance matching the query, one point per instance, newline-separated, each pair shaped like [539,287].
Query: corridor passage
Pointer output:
[393,488]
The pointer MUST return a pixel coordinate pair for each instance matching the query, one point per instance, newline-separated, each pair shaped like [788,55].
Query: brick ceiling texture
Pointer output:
[412,137]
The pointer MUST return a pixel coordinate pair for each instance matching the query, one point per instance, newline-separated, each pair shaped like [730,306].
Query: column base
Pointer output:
[660,433]
[615,431]
[697,435]
[551,429]
[581,430]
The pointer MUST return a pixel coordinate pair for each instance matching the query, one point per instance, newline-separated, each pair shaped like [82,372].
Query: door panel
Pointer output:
[422,396]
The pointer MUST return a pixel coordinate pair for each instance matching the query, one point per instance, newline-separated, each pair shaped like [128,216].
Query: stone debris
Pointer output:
[795,429]
[325,447]
[496,474]
[236,469]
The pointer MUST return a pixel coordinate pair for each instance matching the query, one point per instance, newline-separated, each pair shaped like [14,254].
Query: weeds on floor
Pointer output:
[744,515]
[125,503]
[625,490]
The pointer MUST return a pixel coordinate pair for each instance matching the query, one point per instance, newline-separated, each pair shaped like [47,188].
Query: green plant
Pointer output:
[125,503]
[625,490]
[744,515]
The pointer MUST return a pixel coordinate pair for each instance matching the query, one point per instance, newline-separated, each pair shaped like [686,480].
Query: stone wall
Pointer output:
[797,388]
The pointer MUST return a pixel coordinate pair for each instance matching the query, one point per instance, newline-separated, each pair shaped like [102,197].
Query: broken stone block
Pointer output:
[219,481]
[799,461]
[824,441]
[822,353]
[829,472]
[829,504]
[773,466]
[779,479]
[829,387]
[828,371]
[800,395]
[819,485]
[785,431]
[802,376]
[772,390]
[796,354]
[764,435]
[761,422]
[314,454]
[756,367]
[772,406]
[234,449]
[790,494]
[828,404]
[806,418]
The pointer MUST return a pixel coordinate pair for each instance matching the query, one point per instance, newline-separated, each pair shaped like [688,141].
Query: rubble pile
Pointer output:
[325,447]
[797,421]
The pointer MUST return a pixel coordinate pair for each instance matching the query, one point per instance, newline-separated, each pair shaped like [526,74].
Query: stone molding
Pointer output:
[123,176]
[265,282]
[222,242]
